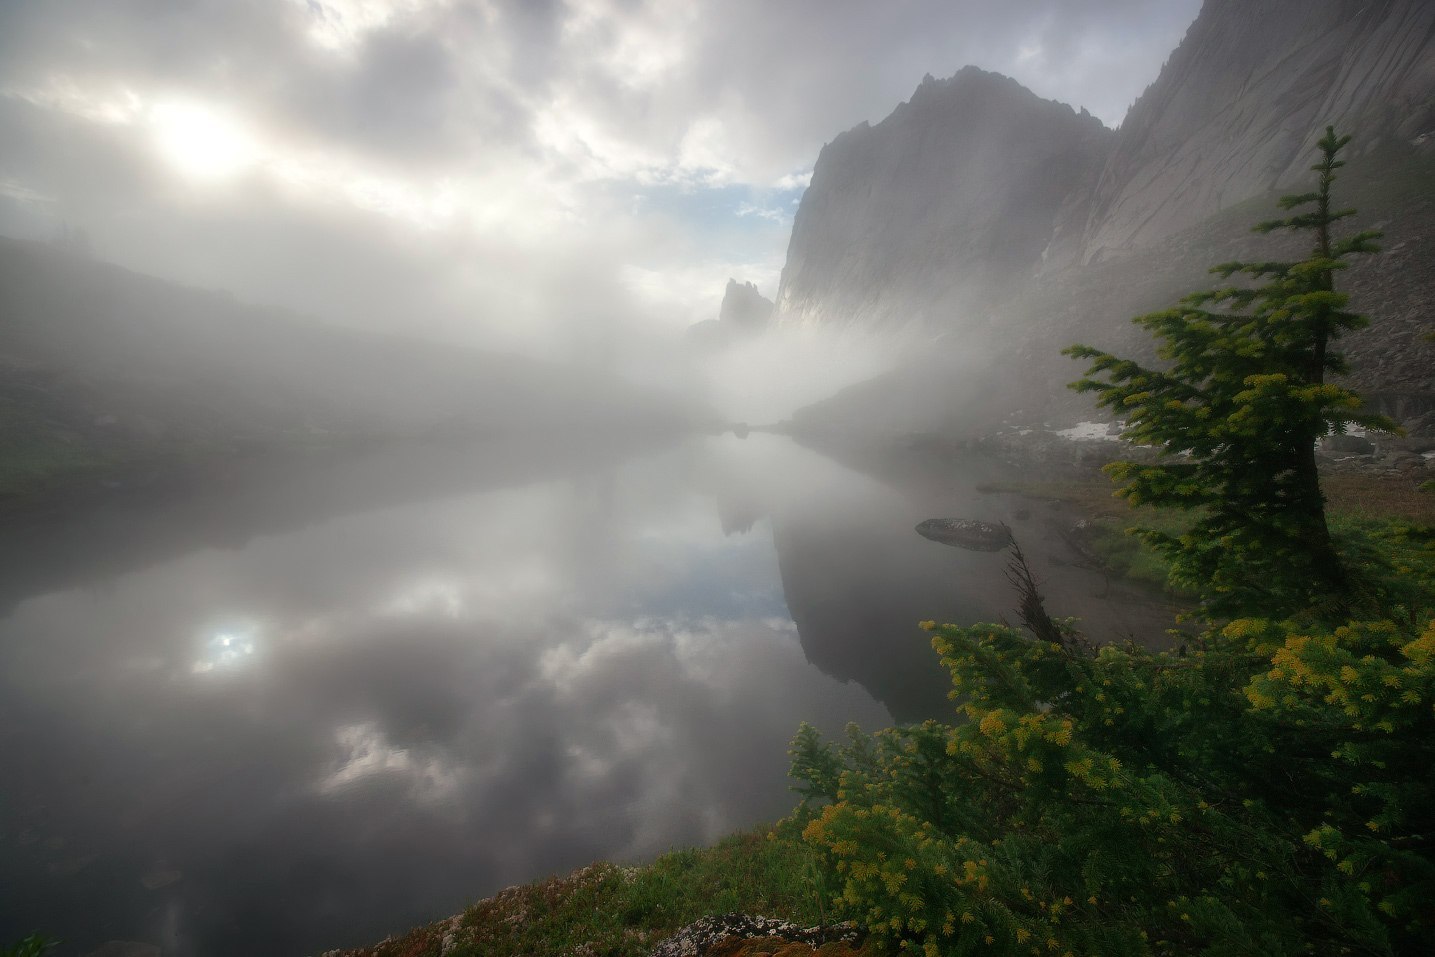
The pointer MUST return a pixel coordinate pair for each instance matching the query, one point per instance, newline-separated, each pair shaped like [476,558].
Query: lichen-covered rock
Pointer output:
[747,935]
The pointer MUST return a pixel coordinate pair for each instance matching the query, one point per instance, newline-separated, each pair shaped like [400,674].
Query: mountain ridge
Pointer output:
[893,206]
[1148,208]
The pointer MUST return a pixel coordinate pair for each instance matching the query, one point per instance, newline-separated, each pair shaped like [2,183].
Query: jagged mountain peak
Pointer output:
[744,306]
[972,171]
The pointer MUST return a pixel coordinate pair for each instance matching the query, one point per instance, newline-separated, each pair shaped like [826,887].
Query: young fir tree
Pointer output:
[1237,413]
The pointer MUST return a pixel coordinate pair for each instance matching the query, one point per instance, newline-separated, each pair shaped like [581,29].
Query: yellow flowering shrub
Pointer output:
[1119,801]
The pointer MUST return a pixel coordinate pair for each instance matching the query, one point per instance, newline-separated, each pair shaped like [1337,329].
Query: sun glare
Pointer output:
[202,143]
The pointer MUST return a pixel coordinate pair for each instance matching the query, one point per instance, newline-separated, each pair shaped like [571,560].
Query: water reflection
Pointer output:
[230,646]
[365,718]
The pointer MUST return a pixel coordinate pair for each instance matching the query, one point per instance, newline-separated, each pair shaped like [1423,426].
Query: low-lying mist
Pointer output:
[764,379]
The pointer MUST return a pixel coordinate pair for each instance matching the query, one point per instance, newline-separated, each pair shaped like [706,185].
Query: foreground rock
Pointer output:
[966,533]
[746,935]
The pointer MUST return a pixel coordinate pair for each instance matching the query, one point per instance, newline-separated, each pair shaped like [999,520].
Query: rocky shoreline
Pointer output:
[1090,445]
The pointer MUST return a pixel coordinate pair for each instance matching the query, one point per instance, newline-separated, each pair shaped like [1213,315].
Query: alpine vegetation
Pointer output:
[1237,413]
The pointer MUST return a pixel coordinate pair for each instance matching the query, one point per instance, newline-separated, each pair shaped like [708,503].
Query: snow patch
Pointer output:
[1090,432]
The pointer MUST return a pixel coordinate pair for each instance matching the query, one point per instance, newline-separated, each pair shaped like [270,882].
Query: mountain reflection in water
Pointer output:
[325,705]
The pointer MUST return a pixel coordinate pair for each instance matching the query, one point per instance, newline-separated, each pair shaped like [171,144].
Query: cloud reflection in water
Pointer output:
[424,703]
[228,648]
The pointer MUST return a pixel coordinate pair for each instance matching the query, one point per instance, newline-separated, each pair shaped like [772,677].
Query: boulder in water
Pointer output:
[966,533]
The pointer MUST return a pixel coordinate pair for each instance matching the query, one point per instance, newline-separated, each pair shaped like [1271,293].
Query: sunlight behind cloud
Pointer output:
[228,648]
[202,142]
[469,163]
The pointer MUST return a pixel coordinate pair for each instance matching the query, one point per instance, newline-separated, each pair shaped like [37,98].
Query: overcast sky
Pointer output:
[491,170]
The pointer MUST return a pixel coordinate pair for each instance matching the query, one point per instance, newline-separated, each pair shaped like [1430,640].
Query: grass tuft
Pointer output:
[613,911]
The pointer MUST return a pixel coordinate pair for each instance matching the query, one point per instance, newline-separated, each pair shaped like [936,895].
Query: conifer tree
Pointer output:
[1236,414]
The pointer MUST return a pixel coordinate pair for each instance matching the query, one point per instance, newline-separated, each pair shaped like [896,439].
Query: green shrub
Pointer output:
[1235,407]
[1269,791]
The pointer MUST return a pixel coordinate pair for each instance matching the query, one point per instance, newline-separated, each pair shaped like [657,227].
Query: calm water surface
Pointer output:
[319,705]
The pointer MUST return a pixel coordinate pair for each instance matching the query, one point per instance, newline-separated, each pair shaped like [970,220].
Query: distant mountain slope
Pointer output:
[98,364]
[938,207]
[1012,368]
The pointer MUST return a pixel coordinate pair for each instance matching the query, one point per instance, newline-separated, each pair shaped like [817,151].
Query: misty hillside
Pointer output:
[1134,221]
[101,361]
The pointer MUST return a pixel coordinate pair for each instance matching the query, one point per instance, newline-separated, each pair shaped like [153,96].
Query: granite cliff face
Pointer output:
[936,209]
[976,182]
[1238,107]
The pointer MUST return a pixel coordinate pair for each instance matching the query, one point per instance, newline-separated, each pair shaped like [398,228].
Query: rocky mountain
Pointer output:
[744,312]
[904,221]
[940,206]
[1239,105]
[744,307]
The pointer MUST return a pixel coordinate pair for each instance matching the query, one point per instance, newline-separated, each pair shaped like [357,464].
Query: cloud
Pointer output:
[447,696]
[443,166]
[368,754]
[777,215]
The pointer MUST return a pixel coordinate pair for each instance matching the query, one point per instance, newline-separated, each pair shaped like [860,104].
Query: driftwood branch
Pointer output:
[1031,609]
